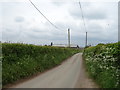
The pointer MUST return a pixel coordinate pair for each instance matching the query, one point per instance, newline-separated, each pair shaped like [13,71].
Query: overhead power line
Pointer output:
[83,16]
[84,23]
[43,15]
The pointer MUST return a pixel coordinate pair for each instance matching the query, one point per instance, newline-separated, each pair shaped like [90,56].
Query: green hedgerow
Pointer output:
[23,60]
[103,64]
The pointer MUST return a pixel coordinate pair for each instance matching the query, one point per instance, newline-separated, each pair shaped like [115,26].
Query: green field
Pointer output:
[103,64]
[22,60]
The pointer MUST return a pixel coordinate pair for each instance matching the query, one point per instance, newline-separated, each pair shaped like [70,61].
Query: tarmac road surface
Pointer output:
[70,74]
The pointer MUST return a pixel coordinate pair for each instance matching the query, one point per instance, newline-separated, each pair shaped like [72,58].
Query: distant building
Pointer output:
[74,46]
[66,45]
[60,45]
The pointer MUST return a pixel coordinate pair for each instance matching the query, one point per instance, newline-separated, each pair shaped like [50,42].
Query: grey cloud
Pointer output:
[76,14]
[37,30]
[58,3]
[9,34]
[34,32]
[89,11]
[88,15]
[95,15]
[19,19]
[37,33]
[119,21]
[58,36]
[94,28]
[36,36]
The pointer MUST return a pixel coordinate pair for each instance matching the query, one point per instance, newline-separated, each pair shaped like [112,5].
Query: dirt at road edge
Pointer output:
[84,80]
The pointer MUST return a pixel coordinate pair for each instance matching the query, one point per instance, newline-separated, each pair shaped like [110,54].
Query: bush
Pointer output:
[103,64]
[23,60]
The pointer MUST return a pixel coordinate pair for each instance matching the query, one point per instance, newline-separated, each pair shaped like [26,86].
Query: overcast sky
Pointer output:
[21,22]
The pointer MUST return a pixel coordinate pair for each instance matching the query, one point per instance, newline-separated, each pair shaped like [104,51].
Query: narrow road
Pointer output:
[70,74]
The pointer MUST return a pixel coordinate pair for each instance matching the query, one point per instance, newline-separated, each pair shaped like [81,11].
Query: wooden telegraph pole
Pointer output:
[86,40]
[68,37]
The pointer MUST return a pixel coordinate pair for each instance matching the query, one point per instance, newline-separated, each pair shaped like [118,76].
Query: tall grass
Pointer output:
[22,60]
